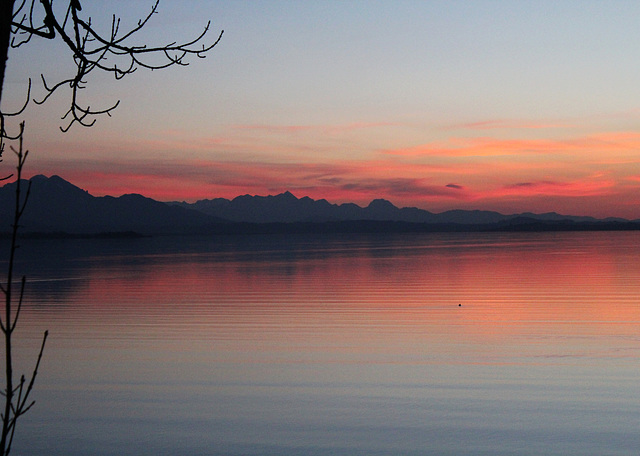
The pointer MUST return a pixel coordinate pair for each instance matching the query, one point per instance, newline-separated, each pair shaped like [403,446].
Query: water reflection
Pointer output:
[424,344]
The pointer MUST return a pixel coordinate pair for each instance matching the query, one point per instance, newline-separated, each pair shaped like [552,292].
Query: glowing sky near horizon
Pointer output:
[502,105]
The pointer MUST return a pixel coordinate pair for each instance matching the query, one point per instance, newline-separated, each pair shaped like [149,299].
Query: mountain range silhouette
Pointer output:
[57,206]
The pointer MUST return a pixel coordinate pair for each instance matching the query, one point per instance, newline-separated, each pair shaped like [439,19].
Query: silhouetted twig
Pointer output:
[20,21]
[113,52]
[16,398]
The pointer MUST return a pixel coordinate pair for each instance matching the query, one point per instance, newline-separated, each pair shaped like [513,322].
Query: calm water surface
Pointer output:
[442,344]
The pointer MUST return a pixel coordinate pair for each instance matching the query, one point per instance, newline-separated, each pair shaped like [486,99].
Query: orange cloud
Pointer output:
[488,146]
[479,147]
[474,173]
[616,141]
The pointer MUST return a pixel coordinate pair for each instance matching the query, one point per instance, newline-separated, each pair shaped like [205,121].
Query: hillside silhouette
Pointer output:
[57,206]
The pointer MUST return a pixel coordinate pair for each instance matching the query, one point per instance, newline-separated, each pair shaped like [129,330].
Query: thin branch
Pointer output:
[47,33]
[28,31]
[21,406]
[21,402]
[92,50]
[24,105]
[17,401]
[3,133]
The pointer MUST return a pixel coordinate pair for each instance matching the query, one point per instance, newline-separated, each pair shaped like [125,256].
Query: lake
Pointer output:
[422,344]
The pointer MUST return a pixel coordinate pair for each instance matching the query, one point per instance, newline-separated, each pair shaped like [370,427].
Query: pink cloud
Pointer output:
[585,187]
[600,167]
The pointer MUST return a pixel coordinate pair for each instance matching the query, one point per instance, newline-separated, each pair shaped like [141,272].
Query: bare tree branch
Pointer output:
[91,50]
[114,53]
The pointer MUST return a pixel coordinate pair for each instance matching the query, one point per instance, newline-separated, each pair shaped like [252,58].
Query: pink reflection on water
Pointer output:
[356,341]
[409,296]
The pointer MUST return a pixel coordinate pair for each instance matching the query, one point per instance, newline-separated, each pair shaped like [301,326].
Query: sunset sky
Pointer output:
[502,105]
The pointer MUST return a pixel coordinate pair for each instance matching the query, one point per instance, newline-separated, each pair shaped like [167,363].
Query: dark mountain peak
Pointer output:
[287,195]
[246,197]
[380,209]
[57,205]
[205,204]
[55,186]
[380,203]
[214,200]
[53,182]
[135,197]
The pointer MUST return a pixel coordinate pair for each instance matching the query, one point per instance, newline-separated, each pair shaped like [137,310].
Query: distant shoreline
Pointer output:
[349,227]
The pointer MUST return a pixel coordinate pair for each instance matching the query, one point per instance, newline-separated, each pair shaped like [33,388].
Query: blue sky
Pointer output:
[503,105]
